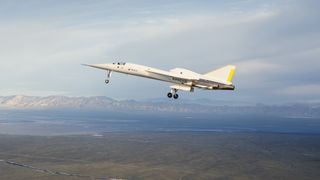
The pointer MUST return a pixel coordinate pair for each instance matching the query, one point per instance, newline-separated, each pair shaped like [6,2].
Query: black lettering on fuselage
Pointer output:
[179,79]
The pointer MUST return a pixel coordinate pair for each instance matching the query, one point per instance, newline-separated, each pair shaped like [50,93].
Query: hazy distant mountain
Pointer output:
[188,106]
[97,103]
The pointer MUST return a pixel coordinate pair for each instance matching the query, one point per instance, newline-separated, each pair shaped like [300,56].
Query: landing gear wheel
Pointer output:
[175,96]
[169,95]
[108,76]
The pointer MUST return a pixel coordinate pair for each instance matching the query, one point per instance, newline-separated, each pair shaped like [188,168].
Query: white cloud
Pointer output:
[274,45]
[258,67]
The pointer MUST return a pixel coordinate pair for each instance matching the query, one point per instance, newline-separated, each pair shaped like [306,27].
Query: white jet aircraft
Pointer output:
[181,79]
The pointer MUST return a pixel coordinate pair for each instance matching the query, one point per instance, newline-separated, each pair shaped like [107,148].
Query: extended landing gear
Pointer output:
[173,93]
[108,76]
[170,95]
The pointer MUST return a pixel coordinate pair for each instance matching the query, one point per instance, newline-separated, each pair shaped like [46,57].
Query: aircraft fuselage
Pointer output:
[182,79]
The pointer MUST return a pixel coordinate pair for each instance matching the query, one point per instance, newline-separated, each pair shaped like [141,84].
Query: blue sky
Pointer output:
[275,45]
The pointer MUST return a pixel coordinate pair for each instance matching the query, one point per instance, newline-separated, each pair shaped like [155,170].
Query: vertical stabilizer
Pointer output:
[225,73]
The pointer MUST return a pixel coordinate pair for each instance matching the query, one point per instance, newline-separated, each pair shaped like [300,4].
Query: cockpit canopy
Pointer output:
[119,63]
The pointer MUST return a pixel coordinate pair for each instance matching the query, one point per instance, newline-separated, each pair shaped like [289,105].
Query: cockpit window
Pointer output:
[120,63]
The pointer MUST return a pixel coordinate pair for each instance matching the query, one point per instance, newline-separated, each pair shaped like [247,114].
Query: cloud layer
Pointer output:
[276,46]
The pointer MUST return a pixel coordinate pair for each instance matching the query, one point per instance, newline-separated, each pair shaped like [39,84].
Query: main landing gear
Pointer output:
[173,93]
[108,76]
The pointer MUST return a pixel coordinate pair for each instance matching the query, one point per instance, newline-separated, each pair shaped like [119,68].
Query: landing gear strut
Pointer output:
[108,76]
[173,93]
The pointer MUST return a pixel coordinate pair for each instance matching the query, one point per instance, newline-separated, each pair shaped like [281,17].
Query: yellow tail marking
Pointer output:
[230,75]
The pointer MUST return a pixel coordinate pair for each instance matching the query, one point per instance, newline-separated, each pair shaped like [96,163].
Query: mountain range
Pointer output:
[102,103]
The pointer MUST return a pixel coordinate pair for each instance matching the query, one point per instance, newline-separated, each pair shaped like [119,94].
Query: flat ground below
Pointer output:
[162,155]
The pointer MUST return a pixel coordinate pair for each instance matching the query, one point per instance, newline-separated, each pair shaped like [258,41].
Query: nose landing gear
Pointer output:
[108,76]
[173,93]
